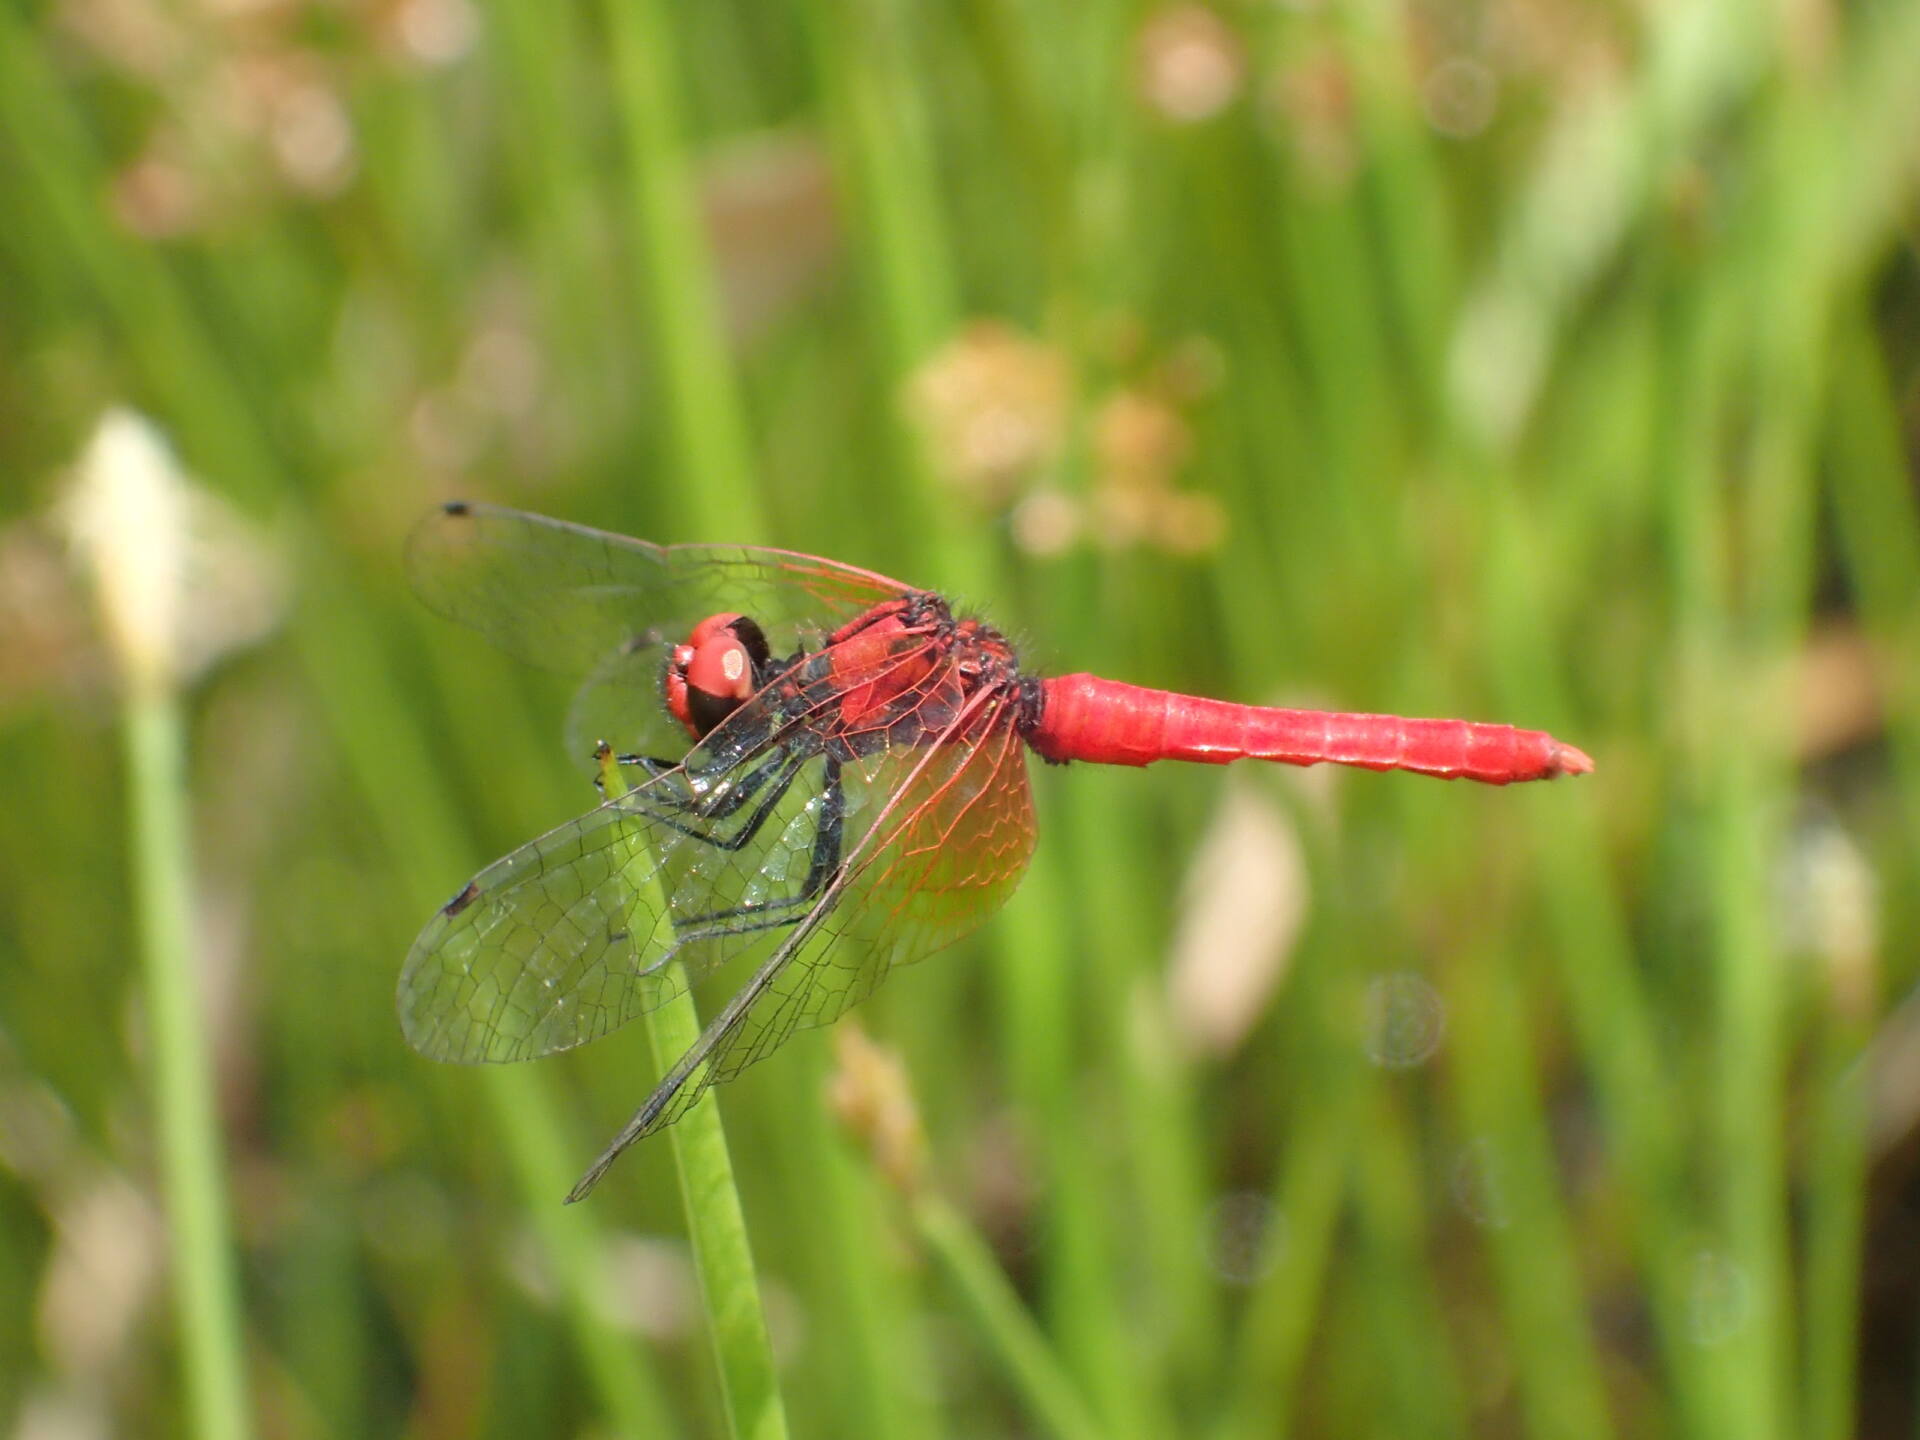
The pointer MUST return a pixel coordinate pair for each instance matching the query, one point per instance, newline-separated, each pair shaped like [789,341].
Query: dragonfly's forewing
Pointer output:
[622,702]
[566,597]
[607,609]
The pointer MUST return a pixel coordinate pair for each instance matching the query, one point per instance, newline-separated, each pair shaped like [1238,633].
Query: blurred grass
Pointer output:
[207,1305]
[1544,362]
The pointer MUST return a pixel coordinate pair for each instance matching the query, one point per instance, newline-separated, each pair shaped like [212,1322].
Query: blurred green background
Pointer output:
[1545,361]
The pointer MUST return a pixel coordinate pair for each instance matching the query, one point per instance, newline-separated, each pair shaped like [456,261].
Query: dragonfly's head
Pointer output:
[715,670]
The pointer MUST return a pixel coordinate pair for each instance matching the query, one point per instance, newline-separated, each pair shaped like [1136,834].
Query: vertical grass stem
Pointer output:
[205,1291]
[716,1225]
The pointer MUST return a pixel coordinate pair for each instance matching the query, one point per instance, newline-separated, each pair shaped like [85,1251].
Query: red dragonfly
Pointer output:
[828,780]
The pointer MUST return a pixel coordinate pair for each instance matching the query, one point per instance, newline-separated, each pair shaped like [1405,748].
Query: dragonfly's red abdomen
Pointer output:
[1084,717]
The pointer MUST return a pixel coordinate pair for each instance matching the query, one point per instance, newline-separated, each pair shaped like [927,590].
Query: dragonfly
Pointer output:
[812,774]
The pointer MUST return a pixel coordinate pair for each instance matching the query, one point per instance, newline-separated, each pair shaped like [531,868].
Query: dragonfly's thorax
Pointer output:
[902,673]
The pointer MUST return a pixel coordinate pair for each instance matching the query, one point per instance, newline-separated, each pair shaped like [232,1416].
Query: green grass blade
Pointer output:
[523,1111]
[1003,1322]
[1506,1169]
[675,269]
[722,1253]
[395,766]
[205,1284]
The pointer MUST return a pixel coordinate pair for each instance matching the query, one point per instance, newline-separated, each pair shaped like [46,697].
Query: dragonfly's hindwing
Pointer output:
[551,947]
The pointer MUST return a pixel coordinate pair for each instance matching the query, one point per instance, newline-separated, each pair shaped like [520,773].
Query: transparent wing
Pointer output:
[568,598]
[549,948]
[950,835]
[622,702]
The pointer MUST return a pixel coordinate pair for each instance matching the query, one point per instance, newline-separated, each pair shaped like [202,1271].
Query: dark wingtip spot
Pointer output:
[461,901]
[457,507]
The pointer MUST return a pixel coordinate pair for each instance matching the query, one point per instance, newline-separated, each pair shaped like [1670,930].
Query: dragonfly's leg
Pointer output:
[741,838]
[828,843]
[662,803]
[652,764]
[715,808]
[723,806]
[830,838]
[772,914]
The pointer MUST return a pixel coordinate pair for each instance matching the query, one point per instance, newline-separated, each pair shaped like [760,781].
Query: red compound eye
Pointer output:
[711,674]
